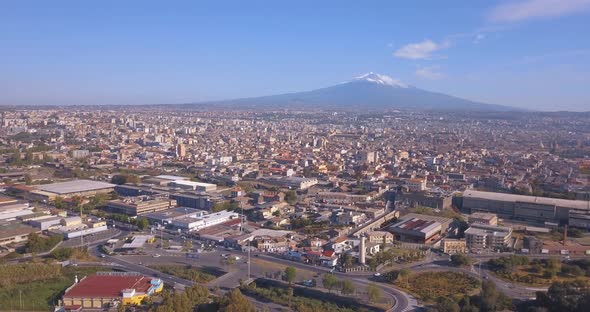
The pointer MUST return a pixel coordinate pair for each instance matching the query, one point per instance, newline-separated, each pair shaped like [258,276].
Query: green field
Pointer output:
[34,293]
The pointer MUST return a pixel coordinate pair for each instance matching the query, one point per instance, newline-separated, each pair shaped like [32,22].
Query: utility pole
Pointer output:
[82,231]
[242,232]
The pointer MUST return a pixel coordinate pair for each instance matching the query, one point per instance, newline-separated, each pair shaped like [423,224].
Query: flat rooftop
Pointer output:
[441,220]
[170,177]
[137,242]
[7,200]
[482,231]
[568,203]
[416,225]
[174,213]
[75,186]
[9,229]
[483,215]
[193,183]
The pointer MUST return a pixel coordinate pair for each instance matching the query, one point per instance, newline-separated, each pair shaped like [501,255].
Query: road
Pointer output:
[239,271]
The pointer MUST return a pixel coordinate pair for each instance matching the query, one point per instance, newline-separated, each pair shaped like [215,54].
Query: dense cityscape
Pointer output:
[377,211]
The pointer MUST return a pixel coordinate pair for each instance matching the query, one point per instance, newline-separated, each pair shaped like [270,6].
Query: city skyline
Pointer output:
[527,54]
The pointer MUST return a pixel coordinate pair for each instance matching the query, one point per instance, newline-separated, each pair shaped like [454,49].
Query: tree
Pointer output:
[29,157]
[374,293]
[197,294]
[488,296]
[466,305]
[58,202]
[62,253]
[491,300]
[221,206]
[16,159]
[77,201]
[347,287]
[403,274]
[290,274]
[291,197]
[346,260]
[142,223]
[34,243]
[445,304]
[235,301]
[460,260]
[133,179]
[119,179]
[28,179]
[329,281]
[290,294]
[568,296]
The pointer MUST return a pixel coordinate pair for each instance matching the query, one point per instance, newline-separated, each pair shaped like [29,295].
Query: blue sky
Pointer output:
[525,53]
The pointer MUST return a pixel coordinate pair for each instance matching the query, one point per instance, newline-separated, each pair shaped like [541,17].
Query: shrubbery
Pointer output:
[37,244]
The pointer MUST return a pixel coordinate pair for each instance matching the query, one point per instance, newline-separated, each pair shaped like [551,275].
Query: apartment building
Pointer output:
[480,237]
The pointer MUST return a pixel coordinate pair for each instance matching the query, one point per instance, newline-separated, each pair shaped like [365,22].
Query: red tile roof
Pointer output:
[108,286]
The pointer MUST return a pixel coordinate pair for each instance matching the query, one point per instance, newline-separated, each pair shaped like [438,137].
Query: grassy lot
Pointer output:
[304,299]
[532,276]
[273,267]
[40,294]
[430,285]
[195,274]
[539,272]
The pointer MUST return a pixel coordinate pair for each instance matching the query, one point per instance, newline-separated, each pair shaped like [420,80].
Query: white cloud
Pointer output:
[528,9]
[431,72]
[420,50]
[478,38]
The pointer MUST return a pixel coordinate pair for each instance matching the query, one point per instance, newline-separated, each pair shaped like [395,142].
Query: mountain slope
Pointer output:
[369,91]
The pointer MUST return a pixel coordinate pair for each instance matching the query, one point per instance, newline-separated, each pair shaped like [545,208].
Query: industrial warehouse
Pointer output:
[110,289]
[529,208]
[68,189]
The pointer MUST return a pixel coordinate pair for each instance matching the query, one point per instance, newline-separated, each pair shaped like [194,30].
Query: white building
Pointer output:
[198,223]
[195,186]
[8,212]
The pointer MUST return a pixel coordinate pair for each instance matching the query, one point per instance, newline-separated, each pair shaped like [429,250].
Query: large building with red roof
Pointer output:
[109,289]
[416,230]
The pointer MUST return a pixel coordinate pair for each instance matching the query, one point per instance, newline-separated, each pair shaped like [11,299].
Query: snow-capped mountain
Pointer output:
[370,91]
[380,79]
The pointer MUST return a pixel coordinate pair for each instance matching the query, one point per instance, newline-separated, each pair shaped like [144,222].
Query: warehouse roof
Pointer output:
[75,186]
[416,225]
[108,285]
[193,183]
[568,203]
[171,177]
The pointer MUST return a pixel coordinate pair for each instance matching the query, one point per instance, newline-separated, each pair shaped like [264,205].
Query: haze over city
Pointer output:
[525,54]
